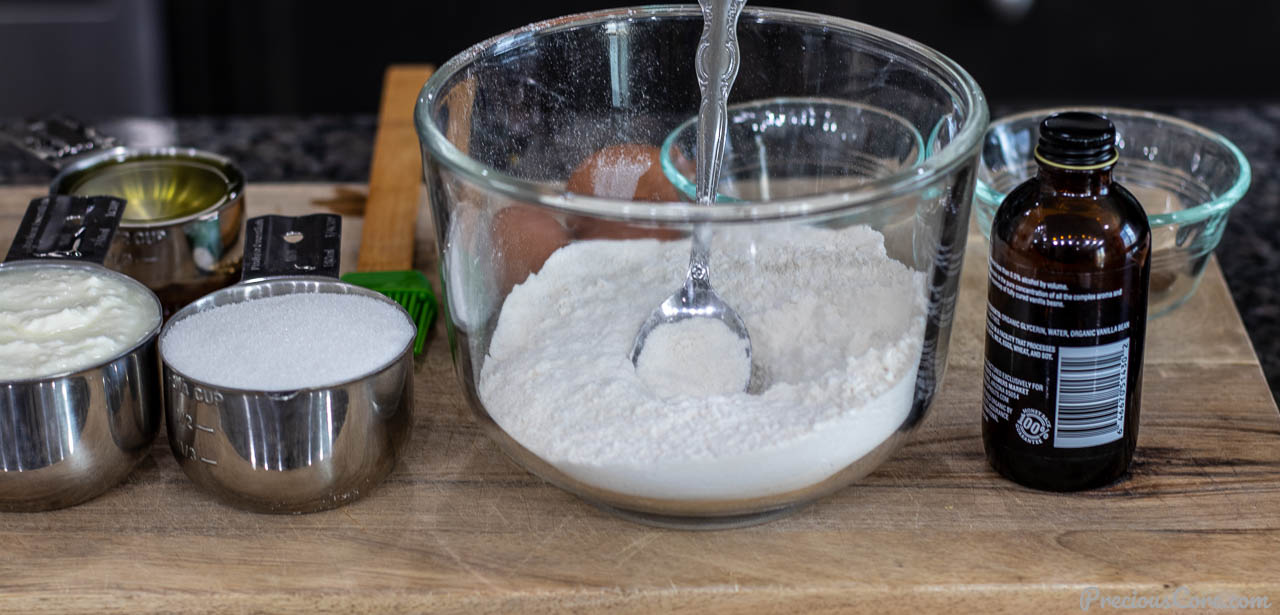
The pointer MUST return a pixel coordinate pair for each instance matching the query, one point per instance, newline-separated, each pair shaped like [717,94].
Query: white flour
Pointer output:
[696,356]
[835,324]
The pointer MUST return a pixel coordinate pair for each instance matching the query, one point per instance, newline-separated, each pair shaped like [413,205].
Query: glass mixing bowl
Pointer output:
[558,233]
[1185,176]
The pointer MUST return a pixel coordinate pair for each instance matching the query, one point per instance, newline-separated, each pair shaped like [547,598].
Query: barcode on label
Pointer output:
[1091,388]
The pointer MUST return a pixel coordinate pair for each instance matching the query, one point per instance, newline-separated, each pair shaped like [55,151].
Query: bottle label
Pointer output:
[1058,356]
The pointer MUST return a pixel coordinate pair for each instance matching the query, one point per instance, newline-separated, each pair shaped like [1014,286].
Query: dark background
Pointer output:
[1080,49]
[97,58]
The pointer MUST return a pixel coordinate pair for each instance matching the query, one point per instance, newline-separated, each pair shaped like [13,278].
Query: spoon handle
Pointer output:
[716,65]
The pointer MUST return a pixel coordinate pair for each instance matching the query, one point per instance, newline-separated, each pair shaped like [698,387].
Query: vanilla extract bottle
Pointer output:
[1066,315]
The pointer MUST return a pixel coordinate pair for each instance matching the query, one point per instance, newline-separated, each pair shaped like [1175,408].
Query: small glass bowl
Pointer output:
[1185,176]
[797,146]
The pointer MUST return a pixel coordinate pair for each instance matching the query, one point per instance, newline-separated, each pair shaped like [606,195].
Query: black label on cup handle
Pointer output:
[66,227]
[277,246]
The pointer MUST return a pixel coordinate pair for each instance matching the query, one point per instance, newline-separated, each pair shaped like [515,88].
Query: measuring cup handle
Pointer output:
[65,227]
[279,246]
[55,139]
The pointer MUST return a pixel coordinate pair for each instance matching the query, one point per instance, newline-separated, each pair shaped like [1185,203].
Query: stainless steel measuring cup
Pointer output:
[181,232]
[66,438]
[293,451]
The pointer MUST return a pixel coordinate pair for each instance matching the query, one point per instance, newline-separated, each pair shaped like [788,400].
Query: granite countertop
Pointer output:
[339,148]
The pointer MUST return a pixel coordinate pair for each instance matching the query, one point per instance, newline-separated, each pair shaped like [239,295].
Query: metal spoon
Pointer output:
[716,64]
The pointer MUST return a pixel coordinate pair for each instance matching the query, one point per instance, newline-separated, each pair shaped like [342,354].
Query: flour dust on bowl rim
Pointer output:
[844,267]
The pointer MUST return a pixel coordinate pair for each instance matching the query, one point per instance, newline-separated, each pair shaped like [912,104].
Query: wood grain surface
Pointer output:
[459,528]
[395,179]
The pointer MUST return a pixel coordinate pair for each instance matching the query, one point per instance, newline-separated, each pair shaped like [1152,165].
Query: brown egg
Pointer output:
[523,237]
[629,171]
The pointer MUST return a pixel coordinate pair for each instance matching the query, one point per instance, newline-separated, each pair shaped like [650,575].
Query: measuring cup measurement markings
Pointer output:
[145,237]
[199,395]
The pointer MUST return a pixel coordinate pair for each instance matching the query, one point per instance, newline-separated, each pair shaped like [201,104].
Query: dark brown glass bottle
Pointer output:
[1066,315]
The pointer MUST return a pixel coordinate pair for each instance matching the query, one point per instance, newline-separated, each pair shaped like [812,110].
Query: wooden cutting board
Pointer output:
[459,528]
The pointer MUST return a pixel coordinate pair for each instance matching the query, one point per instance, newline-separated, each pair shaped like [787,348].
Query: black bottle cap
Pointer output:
[1077,139]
